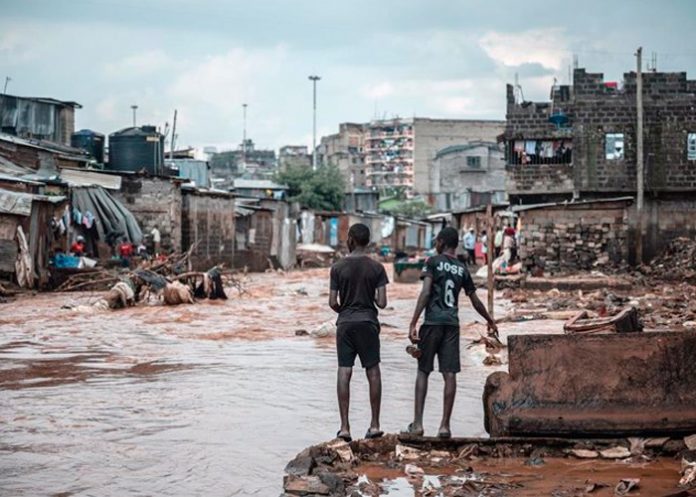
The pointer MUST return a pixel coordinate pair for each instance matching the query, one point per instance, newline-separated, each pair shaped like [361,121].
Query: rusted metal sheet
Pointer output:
[595,385]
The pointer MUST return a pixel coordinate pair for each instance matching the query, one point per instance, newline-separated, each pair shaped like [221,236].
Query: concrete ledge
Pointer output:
[595,386]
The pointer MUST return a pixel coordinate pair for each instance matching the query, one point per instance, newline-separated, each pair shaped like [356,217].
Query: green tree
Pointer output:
[322,189]
[412,209]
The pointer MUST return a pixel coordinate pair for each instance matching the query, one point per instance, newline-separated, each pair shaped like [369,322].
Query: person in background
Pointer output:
[156,239]
[484,246]
[443,278]
[358,287]
[125,251]
[510,244]
[469,241]
[498,242]
[78,247]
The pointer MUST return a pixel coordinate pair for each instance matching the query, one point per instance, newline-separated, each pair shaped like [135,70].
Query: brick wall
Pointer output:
[154,202]
[568,238]
[208,220]
[253,252]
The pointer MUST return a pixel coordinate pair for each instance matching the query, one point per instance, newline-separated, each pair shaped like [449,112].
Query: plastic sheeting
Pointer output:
[113,219]
[24,266]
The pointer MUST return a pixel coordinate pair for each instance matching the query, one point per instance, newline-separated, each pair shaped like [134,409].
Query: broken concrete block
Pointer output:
[305,485]
[617,452]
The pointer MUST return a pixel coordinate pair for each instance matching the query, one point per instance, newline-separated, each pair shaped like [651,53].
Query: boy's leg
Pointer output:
[343,391]
[367,345]
[430,337]
[345,349]
[419,406]
[450,364]
[374,378]
[448,403]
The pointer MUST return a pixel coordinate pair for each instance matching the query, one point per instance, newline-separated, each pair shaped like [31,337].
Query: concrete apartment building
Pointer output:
[291,156]
[401,153]
[581,147]
[345,150]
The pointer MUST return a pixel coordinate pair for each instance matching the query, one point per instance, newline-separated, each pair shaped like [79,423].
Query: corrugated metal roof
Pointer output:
[258,184]
[87,177]
[520,208]
[19,204]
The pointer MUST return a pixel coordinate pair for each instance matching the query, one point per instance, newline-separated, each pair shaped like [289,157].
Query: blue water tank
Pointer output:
[89,141]
[136,149]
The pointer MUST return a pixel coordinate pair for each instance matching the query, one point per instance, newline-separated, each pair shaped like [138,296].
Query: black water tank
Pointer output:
[135,149]
[90,141]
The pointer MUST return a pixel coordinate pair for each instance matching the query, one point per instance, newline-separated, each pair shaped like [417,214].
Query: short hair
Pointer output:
[449,237]
[360,234]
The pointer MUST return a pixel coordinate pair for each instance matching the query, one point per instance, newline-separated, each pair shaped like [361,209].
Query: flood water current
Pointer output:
[207,399]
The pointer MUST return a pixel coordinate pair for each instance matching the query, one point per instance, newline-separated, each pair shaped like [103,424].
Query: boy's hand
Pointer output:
[413,333]
[492,329]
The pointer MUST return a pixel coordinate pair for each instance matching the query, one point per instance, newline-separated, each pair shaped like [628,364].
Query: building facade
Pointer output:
[345,150]
[582,145]
[401,153]
[38,118]
[293,156]
[468,175]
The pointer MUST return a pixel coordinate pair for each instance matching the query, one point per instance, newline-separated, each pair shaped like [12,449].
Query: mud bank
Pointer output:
[515,467]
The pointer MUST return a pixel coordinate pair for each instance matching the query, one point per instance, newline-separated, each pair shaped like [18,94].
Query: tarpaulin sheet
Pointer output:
[112,218]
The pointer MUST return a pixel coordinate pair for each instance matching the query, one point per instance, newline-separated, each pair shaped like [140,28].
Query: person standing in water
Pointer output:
[358,287]
[443,278]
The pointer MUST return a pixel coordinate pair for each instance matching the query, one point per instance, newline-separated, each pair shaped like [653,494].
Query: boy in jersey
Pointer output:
[358,287]
[443,278]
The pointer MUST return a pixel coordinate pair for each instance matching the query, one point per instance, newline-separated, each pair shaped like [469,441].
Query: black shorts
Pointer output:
[440,340]
[358,338]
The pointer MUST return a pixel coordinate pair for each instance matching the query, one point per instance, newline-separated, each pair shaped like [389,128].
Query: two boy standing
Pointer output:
[358,287]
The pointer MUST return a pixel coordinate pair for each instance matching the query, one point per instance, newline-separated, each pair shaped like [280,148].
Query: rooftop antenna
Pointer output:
[652,65]
[7,80]
[135,108]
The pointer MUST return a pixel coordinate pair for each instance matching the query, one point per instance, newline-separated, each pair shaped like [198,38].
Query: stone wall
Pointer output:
[154,202]
[584,236]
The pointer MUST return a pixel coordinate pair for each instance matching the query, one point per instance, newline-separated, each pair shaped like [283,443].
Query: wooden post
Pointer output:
[640,182]
[490,238]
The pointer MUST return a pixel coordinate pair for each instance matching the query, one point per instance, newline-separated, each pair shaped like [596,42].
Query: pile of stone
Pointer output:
[558,248]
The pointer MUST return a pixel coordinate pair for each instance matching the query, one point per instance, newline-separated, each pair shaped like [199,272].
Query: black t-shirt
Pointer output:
[449,277]
[356,278]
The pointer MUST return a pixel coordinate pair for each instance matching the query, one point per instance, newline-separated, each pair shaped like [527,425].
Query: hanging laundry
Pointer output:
[77,216]
[88,220]
[66,217]
[547,149]
[519,146]
[530,147]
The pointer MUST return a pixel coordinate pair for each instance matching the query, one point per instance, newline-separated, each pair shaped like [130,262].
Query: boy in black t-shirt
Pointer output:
[443,278]
[358,287]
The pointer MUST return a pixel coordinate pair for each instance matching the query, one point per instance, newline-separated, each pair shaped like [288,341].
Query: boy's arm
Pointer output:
[333,300]
[481,309]
[381,297]
[420,305]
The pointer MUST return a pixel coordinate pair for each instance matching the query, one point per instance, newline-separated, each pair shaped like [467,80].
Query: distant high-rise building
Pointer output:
[345,150]
[293,156]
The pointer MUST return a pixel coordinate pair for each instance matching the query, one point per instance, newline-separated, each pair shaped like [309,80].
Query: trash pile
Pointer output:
[512,467]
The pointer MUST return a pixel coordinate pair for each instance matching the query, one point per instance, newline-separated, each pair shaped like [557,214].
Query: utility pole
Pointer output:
[244,133]
[171,153]
[135,108]
[314,80]
[639,153]
[490,235]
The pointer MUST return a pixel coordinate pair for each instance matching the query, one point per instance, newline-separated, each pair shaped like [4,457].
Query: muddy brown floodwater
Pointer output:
[207,399]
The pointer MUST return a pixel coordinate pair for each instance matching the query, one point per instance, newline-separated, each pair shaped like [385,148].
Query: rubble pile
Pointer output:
[405,465]
[676,263]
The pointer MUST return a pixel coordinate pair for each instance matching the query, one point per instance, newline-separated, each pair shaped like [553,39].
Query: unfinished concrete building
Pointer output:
[345,150]
[582,145]
[401,153]
[292,156]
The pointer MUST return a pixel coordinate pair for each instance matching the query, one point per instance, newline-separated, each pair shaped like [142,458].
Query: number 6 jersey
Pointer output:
[449,277]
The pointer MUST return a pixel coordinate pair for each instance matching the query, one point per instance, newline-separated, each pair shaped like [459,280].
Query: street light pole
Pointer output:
[314,80]
[134,107]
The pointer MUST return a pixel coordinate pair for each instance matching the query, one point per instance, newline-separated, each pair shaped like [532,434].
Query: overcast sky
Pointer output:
[376,58]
